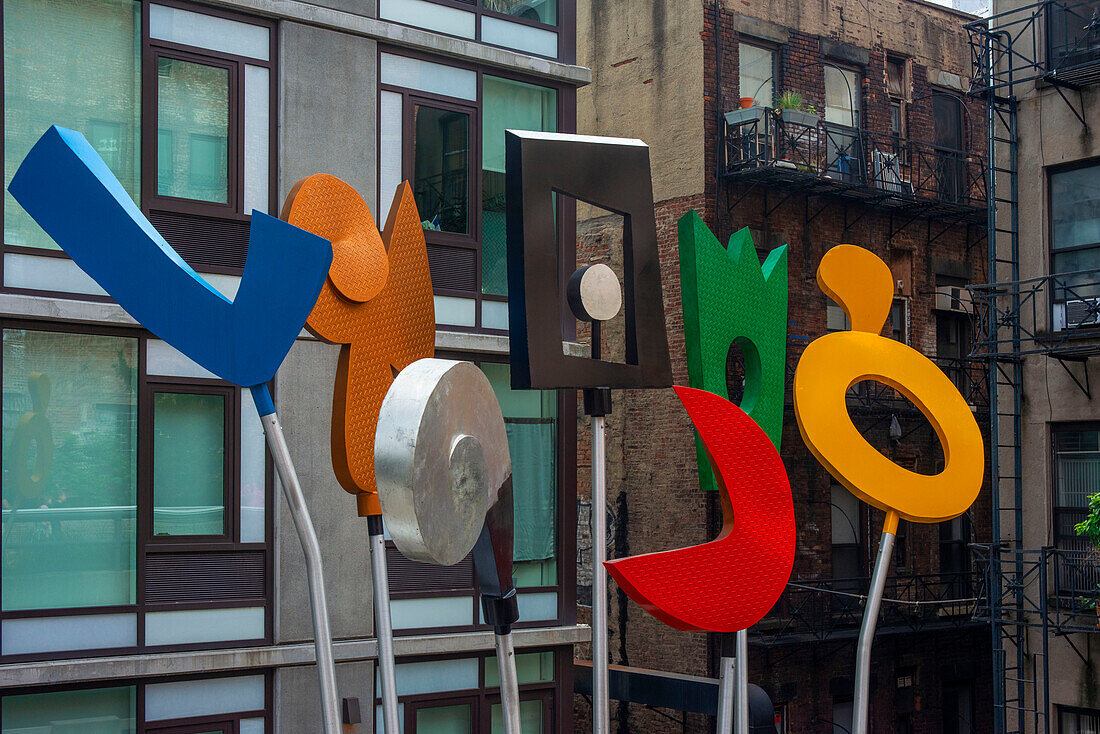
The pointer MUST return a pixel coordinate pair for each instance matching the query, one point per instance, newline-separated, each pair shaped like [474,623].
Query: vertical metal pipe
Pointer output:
[601,704]
[725,694]
[509,683]
[861,707]
[322,635]
[383,628]
[741,710]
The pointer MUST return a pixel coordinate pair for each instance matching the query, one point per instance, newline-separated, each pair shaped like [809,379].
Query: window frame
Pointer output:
[143,545]
[565,28]
[771,48]
[1078,712]
[1083,330]
[1057,539]
[565,123]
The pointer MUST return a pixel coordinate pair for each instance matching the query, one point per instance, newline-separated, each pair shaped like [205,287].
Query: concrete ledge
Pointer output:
[414,38]
[151,665]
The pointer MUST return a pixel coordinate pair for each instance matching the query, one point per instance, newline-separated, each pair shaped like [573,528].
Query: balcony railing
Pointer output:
[883,169]
[818,610]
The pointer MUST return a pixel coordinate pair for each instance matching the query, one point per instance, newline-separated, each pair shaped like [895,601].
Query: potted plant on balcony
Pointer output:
[793,109]
[1090,528]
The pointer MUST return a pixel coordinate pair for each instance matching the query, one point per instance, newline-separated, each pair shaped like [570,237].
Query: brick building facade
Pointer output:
[904,180]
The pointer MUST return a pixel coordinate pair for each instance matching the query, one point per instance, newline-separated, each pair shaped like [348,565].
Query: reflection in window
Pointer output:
[188,464]
[70,540]
[541,11]
[506,105]
[88,710]
[530,718]
[530,418]
[757,69]
[1075,229]
[441,154]
[48,80]
[193,119]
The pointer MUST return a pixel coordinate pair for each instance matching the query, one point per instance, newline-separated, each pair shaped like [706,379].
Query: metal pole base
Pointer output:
[725,695]
[601,704]
[509,683]
[862,704]
[322,635]
[383,627]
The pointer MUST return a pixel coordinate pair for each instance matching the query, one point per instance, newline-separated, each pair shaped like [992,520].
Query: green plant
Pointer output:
[1090,526]
[789,100]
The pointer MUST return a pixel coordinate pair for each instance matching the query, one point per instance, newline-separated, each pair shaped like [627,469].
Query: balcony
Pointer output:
[832,609]
[822,158]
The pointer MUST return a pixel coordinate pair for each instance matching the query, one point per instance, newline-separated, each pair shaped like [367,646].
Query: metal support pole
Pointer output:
[383,626]
[322,635]
[862,704]
[726,676]
[741,709]
[601,704]
[509,683]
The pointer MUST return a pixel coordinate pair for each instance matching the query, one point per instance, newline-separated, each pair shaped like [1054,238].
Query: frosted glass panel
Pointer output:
[203,697]
[206,31]
[531,667]
[427,76]
[432,16]
[453,311]
[48,79]
[47,274]
[227,285]
[253,472]
[69,540]
[87,711]
[432,612]
[161,358]
[257,139]
[494,314]
[188,464]
[204,625]
[522,37]
[434,677]
[54,634]
[390,172]
[252,726]
[538,606]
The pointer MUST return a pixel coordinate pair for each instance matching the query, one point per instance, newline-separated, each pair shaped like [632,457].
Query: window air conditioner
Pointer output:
[1079,312]
[887,171]
[955,298]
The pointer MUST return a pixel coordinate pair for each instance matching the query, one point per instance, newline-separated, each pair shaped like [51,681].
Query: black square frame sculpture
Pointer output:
[612,173]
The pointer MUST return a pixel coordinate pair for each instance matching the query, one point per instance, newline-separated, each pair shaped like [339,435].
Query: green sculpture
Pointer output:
[729,297]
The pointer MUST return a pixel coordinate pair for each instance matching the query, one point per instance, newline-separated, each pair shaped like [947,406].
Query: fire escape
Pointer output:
[1029,594]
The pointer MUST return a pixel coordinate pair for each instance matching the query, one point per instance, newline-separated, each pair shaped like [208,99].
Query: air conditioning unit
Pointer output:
[887,172]
[955,298]
[1079,312]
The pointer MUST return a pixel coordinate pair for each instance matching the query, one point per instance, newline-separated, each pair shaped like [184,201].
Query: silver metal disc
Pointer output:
[440,458]
[594,293]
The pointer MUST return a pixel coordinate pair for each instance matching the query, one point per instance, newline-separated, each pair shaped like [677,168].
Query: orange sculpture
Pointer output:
[376,302]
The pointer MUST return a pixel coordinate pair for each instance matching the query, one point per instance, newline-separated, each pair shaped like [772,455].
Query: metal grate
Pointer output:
[453,268]
[195,577]
[204,241]
[413,577]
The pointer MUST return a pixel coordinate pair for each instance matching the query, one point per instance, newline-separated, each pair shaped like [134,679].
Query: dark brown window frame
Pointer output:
[1088,331]
[566,27]
[166,726]
[1057,427]
[566,123]
[558,693]
[148,164]
[143,546]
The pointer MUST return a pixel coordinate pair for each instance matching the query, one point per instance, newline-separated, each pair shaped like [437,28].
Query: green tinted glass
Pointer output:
[530,718]
[88,711]
[540,11]
[75,64]
[531,667]
[188,464]
[69,520]
[506,105]
[444,720]
[192,130]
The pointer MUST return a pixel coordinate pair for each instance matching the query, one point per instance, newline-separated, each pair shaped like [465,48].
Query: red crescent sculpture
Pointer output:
[730,583]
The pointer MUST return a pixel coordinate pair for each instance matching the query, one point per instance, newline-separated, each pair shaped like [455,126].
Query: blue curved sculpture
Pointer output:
[68,189]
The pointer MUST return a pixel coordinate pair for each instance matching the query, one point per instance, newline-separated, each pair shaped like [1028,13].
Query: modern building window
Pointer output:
[541,11]
[48,80]
[1075,245]
[529,26]
[1076,476]
[442,127]
[135,498]
[1078,721]
[756,68]
[111,710]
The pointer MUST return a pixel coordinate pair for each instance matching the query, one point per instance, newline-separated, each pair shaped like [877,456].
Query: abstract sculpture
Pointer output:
[68,189]
[861,283]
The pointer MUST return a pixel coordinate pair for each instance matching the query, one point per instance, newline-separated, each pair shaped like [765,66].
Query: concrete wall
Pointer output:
[647,82]
[328,107]
[298,708]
